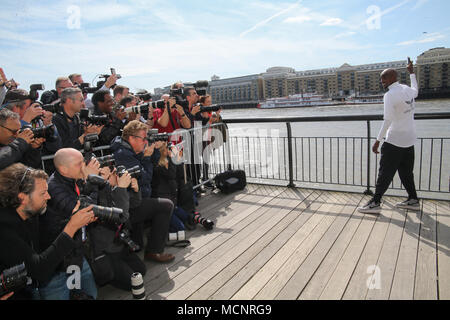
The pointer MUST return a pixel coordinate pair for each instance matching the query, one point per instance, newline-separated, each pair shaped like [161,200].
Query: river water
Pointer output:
[425,128]
[335,153]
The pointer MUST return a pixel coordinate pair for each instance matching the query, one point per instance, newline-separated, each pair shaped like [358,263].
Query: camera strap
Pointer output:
[171,120]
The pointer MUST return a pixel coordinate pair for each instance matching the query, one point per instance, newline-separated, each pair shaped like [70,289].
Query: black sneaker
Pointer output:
[370,207]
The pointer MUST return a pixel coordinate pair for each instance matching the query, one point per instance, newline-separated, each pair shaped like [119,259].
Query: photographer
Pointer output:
[103,105]
[17,145]
[113,258]
[171,117]
[67,121]
[131,150]
[120,92]
[23,198]
[65,187]
[52,96]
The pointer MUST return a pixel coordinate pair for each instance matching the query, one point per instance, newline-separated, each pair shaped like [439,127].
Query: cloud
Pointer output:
[332,22]
[431,37]
[266,21]
[299,19]
[419,4]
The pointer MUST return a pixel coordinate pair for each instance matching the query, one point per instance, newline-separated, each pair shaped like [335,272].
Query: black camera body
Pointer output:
[201,87]
[135,172]
[106,161]
[152,137]
[96,120]
[106,214]
[88,146]
[46,132]
[144,96]
[13,279]
[212,108]
[34,88]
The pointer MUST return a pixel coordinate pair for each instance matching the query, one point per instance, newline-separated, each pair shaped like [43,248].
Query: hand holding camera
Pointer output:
[34,111]
[26,135]
[79,219]
[93,167]
[124,180]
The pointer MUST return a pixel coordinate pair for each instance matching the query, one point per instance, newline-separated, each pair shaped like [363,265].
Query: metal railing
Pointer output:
[326,162]
[336,163]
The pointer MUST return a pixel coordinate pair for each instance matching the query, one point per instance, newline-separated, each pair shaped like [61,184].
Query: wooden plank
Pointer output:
[255,284]
[254,265]
[214,250]
[318,282]
[389,252]
[443,244]
[236,246]
[288,269]
[306,270]
[337,284]
[231,269]
[426,271]
[405,270]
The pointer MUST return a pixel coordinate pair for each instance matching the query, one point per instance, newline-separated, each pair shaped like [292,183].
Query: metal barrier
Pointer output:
[336,163]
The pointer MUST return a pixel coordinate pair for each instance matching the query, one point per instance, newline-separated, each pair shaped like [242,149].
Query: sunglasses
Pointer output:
[14,132]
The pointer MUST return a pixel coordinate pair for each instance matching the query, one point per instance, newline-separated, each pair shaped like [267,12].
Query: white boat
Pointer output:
[365,100]
[298,100]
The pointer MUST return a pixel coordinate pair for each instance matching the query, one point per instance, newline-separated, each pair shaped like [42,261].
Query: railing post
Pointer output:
[291,164]
[368,191]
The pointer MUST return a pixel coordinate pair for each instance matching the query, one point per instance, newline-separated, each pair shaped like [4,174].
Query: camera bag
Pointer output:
[231,181]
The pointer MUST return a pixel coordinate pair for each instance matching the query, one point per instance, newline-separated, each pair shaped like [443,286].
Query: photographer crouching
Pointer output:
[112,254]
[130,150]
[65,187]
[23,198]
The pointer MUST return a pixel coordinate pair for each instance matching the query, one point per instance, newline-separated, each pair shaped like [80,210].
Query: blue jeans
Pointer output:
[58,289]
[179,217]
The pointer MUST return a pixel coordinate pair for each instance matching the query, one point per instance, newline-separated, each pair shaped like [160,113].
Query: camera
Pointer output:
[46,132]
[106,214]
[124,236]
[201,87]
[88,146]
[34,88]
[135,172]
[96,120]
[86,88]
[106,161]
[158,137]
[13,279]
[198,219]
[212,108]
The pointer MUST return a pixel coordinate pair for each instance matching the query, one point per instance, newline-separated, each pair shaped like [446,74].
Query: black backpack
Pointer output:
[230,181]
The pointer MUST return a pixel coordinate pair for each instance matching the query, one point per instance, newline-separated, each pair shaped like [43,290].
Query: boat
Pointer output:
[298,100]
[375,99]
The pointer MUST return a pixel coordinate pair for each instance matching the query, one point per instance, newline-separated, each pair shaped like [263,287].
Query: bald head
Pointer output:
[69,162]
[388,77]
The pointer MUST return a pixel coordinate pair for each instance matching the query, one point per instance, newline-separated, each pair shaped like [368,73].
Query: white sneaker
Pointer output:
[370,207]
[412,204]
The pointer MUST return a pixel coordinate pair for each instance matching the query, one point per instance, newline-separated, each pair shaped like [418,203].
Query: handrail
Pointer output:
[335,118]
[371,117]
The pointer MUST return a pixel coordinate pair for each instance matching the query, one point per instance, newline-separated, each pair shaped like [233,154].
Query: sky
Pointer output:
[155,43]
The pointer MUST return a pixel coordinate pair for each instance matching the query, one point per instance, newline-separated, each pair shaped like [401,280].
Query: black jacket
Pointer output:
[166,181]
[110,131]
[59,210]
[19,151]
[125,156]
[19,243]
[69,132]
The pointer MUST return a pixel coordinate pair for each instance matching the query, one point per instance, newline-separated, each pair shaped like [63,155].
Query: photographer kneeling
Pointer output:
[131,150]
[23,197]
[65,187]
[112,253]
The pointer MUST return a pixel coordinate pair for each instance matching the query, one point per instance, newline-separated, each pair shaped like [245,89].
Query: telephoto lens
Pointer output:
[206,223]
[177,236]
[13,279]
[45,132]
[137,286]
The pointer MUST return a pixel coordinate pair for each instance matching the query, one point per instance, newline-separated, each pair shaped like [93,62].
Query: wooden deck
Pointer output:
[278,243]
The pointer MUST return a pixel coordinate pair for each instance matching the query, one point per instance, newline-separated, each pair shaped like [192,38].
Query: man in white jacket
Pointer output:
[397,151]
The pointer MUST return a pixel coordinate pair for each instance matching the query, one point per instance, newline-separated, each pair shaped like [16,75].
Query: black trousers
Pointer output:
[395,159]
[124,264]
[156,212]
